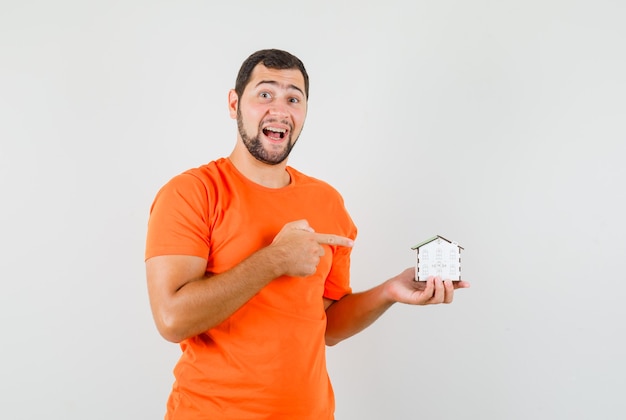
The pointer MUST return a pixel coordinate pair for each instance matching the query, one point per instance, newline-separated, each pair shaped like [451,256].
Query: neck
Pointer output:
[270,176]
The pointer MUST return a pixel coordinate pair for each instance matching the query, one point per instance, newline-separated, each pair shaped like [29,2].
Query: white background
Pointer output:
[500,125]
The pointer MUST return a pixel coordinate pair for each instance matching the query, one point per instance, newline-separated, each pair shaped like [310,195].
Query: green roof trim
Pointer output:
[432,239]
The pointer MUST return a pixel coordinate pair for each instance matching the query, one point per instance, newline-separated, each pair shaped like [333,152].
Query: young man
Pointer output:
[248,262]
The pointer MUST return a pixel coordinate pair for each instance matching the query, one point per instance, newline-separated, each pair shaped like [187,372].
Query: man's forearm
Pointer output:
[355,312]
[203,303]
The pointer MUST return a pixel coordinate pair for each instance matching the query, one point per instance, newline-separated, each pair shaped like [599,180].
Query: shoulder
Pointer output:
[193,186]
[200,177]
[208,172]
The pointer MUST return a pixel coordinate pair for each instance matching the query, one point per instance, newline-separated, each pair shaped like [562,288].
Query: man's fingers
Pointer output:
[429,290]
[439,290]
[328,239]
[458,284]
[449,291]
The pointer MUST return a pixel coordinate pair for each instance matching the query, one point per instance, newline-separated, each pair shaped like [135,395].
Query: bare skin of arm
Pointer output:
[355,312]
[185,301]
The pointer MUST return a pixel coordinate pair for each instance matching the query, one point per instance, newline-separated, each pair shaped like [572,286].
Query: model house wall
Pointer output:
[439,257]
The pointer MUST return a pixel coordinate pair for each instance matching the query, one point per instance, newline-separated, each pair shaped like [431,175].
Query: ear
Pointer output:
[233,103]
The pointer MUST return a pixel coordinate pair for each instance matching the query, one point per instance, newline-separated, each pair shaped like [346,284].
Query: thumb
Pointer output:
[302,224]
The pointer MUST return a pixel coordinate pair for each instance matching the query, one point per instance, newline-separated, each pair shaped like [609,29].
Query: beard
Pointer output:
[255,146]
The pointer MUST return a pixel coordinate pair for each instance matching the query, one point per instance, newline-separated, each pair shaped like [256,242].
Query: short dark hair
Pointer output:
[272,59]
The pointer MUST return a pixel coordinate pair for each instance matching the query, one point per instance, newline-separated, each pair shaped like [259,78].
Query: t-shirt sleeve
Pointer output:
[178,219]
[338,281]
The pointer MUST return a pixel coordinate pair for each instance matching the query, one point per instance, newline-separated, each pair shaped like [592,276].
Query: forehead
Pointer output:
[283,78]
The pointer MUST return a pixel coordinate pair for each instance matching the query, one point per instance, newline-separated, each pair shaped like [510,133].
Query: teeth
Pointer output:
[276,130]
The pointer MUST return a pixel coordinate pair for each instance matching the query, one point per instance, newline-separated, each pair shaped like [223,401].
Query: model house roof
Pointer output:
[432,239]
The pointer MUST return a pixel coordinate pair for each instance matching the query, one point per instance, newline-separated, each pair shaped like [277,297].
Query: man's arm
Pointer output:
[186,301]
[355,312]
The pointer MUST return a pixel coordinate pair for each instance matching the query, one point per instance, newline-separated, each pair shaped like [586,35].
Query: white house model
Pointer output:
[438,256]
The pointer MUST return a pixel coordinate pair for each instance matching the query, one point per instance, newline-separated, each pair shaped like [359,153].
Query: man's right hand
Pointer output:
[300,247]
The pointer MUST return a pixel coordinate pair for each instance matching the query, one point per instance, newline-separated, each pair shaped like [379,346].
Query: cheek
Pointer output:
[298,119]
[249,120]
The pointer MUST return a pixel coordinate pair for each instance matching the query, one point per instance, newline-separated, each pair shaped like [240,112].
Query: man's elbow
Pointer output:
[331,336]
[170,329]
[171,336]
[331,341]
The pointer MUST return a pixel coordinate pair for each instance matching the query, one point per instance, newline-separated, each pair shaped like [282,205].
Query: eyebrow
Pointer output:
[275,83]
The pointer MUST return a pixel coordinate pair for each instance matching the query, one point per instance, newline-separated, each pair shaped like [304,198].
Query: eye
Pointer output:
[294,100]
[265,95]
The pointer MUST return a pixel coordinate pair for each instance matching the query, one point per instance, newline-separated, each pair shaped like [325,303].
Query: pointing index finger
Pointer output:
[329,239]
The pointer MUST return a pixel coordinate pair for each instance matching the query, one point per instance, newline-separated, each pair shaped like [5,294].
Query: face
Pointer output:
[270,113]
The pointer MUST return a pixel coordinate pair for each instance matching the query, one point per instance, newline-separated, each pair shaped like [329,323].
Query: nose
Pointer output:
[278,109]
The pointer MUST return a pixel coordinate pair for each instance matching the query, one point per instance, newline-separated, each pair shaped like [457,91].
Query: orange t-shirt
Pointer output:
[267,360]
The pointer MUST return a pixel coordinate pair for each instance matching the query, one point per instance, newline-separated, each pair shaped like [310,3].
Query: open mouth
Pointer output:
[275,133]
